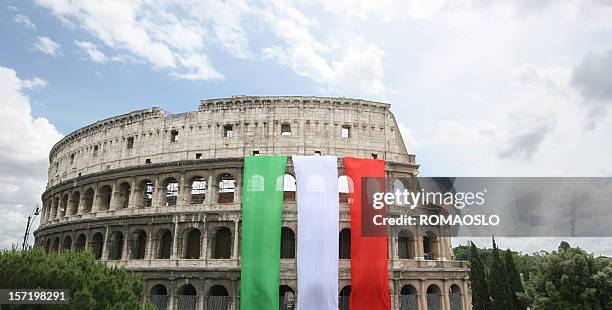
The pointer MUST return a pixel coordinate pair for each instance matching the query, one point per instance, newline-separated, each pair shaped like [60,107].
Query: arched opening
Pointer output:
[430,246]
[124,195]
[186,297]
[172,189]
[64,206]
[456,301]
[343,189]
[345,298]
[139,244]
[147,188]
[67,244]
[48,246]
[433,297]
[105,198]
[165,244]
[159,296]
[198,190]
[56,243]
[80,243]
[218,298]
[405,245]
[88,200]
[287,243]
[75,198]
[408,298]
[97,243]
[289,188]
[227,187]
[56,207]
[222,247]
[345,244]
[116,246]
[286,297]
[192,244]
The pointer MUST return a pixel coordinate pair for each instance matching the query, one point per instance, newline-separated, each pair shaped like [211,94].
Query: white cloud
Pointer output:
[92,50]
[24,20]
[34,83]
[47,46]
[172,35]
[24,149]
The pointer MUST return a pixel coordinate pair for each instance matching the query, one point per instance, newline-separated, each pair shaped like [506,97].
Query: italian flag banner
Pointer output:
[262,203]
[369,262]
[318,227]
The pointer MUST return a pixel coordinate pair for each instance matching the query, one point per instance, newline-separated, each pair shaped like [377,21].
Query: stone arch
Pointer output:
[80,243]
[430,245]
[138,248]
[171,188]
[192,243]
[222,243]
[88,199]
[456,298]
[434,300]
[115,251]
[67,243]
[63,209]
[198,187]
[97,244]
[408,298]
[186,297]
[406,245]
[75,198]
[286,296]
[289,187]
[163,244]
[287,243]
[146,189]
[218,298]
[345,244]
[123,197]
[344,298]
[159,296]
[226,188]
[56,245]
[104,197]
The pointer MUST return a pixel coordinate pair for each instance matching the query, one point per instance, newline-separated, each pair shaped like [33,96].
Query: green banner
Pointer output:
[262,205]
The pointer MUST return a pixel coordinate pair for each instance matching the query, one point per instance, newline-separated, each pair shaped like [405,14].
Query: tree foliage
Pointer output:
[480,290]
[92,285]
[571,279]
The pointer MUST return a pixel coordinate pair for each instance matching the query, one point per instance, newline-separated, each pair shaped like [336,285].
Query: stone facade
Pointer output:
[160,195]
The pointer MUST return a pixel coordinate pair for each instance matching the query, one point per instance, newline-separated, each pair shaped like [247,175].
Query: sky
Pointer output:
[479,88]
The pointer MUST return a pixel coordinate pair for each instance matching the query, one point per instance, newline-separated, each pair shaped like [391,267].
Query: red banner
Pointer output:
[369,269]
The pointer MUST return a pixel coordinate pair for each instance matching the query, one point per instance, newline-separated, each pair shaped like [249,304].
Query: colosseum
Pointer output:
[160,194]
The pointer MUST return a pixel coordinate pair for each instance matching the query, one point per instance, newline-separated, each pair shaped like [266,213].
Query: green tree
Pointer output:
[571,279]
[499,286]
[516,286]
[92,285]
[480,291]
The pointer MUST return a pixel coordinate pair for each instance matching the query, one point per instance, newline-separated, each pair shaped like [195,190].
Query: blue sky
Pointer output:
[479,88]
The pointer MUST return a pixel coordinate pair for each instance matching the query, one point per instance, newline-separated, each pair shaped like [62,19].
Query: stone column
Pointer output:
[203,236]
[465,296]
[113,200]
[419,248]
[149,250]
[422,295]
[171,296]
[94,199]
[131,202]
[183,193]
[105,245]
[235,245]
[156,199]
[445,296]
[174,239]
[238,187]
[124,251]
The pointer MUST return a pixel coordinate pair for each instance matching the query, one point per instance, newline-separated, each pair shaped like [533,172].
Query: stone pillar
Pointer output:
[238,187]
[171,295]
[445,296]
[124,251]
[422,295]
[236,237]
[105,245]
[131,202]
[183,194]
[211,198]
[465,295]
[419,248]
[94,199]
[174,239]
[203,236]
[156,199]
[149,250]
[113,200]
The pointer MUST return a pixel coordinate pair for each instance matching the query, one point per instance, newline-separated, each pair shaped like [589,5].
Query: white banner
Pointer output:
[318,229]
